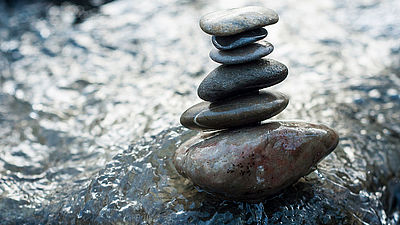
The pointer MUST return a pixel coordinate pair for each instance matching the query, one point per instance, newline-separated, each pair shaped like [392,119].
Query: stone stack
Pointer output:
[246,160]
[231,90]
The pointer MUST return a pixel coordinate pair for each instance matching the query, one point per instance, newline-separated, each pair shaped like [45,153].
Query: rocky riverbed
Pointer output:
[90,99]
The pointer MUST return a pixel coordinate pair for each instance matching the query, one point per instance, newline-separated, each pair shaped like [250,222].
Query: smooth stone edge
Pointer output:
[240,91]
[194,125]
[221,47]
[213,58]
[203,27]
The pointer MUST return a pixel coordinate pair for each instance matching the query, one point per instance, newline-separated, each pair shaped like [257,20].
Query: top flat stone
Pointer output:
[234,21]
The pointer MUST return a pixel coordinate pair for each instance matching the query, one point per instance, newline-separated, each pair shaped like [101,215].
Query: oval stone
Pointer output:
[234,21]
[243,54]
[253,163]
[229,80]
[239,40]
[239,111]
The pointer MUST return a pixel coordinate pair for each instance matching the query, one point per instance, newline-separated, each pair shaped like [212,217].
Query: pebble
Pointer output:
[239,40]
[243,54]
[256,162]
[239,111]
[234,21]
[229,80]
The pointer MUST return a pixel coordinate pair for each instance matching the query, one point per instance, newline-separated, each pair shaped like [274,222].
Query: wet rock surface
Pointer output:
[252,163]
[230,80]
[392,196]
[234,21]
[239,40]
[238,111]
[82,114]
[244,54]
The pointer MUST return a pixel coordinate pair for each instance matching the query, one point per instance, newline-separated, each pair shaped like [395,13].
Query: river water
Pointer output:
[90,100]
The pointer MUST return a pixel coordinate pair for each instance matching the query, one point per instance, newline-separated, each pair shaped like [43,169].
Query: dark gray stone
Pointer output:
[240,111]
[229,80]
[243,54]
[253,163]
[234,21]
[239,40]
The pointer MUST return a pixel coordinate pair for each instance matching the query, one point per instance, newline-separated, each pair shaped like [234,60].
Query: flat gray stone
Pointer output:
[234,21]
[230,80]
[239,40]
[240,111]
[243,54]
[252,163]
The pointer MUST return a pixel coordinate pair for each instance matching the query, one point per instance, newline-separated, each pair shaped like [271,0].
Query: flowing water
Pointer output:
[90,99]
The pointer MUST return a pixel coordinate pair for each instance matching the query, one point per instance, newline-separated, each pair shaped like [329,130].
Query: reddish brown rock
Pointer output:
[256,162]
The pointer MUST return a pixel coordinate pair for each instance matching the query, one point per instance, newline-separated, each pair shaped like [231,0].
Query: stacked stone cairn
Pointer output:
[244,159]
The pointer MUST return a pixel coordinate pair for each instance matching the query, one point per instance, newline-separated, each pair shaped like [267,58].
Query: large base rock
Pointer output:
[256,162]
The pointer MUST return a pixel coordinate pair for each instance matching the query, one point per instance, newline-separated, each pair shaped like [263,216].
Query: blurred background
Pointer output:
[91,93]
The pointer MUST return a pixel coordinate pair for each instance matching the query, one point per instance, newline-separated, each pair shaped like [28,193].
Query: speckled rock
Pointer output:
[234,112]
[239,40]
[230,80]
[257,162]
[234,21]
[243,54]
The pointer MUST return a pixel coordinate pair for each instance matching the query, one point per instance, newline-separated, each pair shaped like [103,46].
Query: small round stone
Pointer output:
[239,111]
[243,54]
[229,80]
[256,162]
[234,21]
[239,40]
